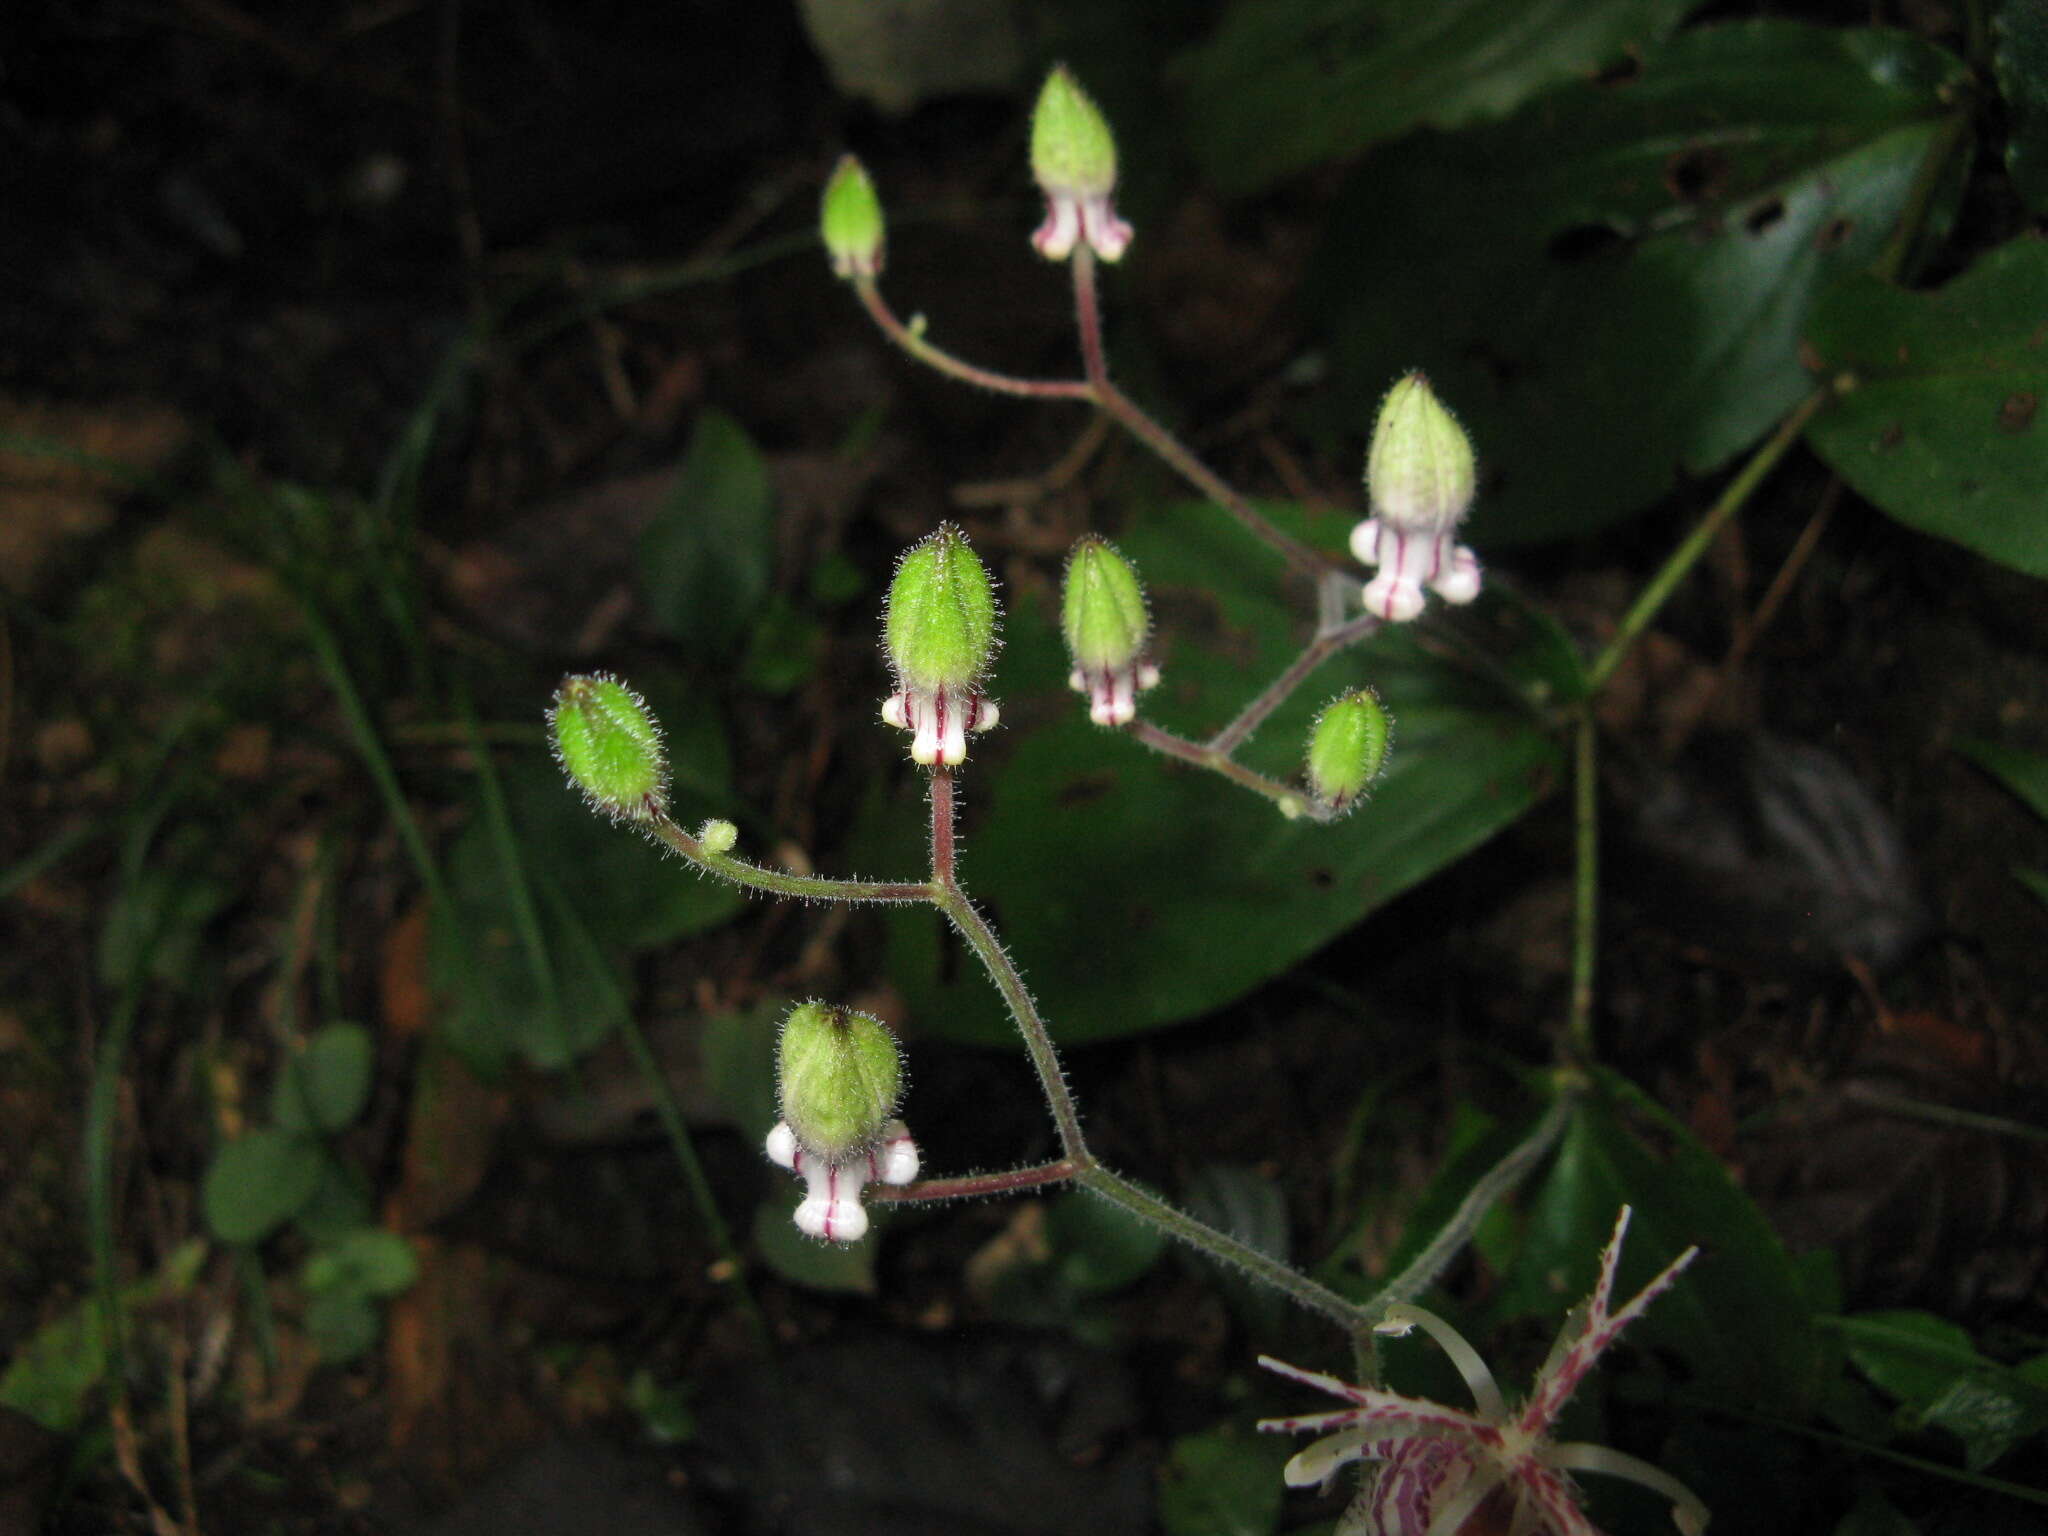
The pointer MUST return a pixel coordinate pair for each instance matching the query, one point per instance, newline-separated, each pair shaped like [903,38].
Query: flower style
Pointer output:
[1073,158]
[1421,476]
[1440,1466]
[832,1210]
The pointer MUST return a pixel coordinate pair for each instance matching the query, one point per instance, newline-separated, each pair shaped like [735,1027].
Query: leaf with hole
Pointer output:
[1944,429]
[1610,286]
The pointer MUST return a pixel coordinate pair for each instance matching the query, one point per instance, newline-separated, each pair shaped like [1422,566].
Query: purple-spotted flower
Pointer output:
[940,631]
[1444,1471]
[1421,476]
[831,1209]
[1073,157]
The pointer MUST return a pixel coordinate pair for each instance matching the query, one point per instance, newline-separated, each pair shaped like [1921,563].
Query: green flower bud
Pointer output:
[1103,614]
[940,623]
[839,1075]
[1071,147]
[1420,470]
[851,221]
[609,745]
[1106,625]
[718,836]
[1347,747]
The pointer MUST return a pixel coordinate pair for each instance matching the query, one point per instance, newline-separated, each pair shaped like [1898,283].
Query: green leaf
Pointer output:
[343,1201]
[706,558]
[1098,1247]
[343,1325]
[1738,1316]
[739,1065]
[2021,63]
[1138,892]
[1283,85]
[1873,1515]
[2024,773]
[1943,429]
[368,1261]
[664,1411]
[323,1087]
[1609,287]
[809,1261]
[1223,1482]
[1931,1366]
[257,1181]
[54,1371]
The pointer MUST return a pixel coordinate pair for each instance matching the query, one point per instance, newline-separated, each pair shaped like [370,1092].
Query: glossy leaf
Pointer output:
[2021,64]
[1222,1482]
[1138,892]
[1283,85]
[706,559]
[323,1087]
[257,1181]
[1738,1316]
[1944,428]
[1610,286]
[1931,1366]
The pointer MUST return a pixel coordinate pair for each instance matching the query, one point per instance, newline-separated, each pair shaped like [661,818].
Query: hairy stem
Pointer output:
[1219,1245]
[911,340]
[1037,1176]
[778,882]
[1292,801]
[1317,651]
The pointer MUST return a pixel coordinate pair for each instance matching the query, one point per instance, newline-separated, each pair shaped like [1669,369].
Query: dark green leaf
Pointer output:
[810,1261]
[368,1261]
[1943,429]
[782,648]
[343,1325]
[2024,773]
[323,1087]
[1098,1247]
[739,1065]
[1250,1207]
[1738,1316]
[1873,1515]
[1610,286]
[256,1183]
[1283,85]
[706,558]
[664,1412]
[2021,62]
[343,1202]
[1931,1366]
[1222,1482]
[1137,892]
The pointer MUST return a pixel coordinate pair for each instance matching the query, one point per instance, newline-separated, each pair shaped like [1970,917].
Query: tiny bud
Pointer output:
[1347,747]
[1421,476]
[718,836]
[609,745]
[1106,624]
[851,221]
[838,1074]
[940,622]
[1073,158]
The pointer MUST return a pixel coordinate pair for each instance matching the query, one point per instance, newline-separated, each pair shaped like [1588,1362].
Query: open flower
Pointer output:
[1440,1467]
[832,1209]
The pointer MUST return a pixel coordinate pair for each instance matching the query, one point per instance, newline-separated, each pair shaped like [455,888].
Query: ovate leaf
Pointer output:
[706,559]
[323,1087]
[257,1181]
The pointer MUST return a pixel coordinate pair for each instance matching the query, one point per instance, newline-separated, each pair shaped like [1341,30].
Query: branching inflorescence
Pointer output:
[840,1073]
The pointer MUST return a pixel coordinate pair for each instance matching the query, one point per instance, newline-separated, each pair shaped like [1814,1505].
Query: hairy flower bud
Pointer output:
[838,1075]
[850,220]
[1104,618]
[607,742]
[1347,747]
[1073,158]
[940,631]
[1421,475]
